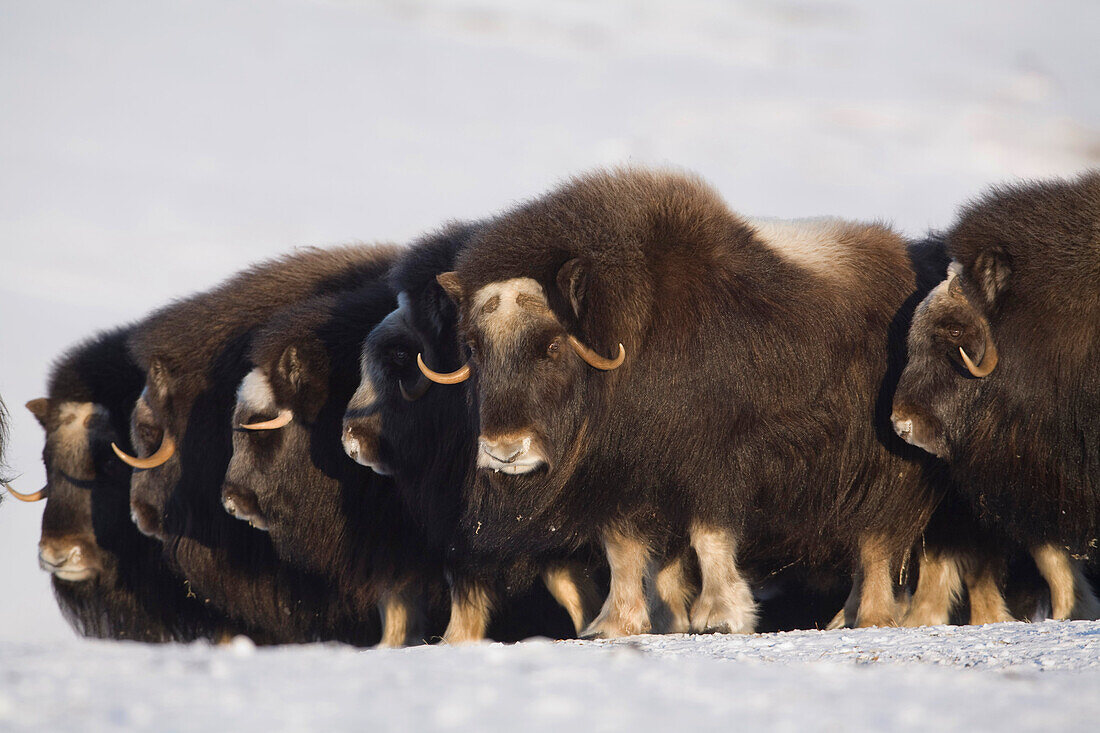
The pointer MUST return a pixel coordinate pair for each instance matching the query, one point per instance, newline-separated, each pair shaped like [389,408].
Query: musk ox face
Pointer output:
[526,376]
[262,436]
[381,422]
[153,479]
[276,469]
[87,489]
[951,349]
[530,373]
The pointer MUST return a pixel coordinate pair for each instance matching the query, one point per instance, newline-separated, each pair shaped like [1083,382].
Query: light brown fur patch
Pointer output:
[625,611]
[725,601]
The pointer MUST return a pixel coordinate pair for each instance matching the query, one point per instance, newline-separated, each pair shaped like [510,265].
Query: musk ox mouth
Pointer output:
[904,429]
[242,505]
[74,575]
[918,434]
[356,452]
[70,571]
[515,468]
[146,519]
[523,460]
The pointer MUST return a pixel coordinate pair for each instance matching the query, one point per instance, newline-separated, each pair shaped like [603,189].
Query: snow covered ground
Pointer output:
[1016,677]
[147,149]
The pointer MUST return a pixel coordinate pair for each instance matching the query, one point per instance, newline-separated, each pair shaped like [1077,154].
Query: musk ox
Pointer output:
[290,476]
[423,438]
[110,581]
[651,369]
[1003,378]
[195,354]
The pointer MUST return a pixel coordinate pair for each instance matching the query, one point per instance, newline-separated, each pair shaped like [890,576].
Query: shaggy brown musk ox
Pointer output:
[1003,379]
[423,437]
[651,369]
[290,476]
[195,354]
[110,581]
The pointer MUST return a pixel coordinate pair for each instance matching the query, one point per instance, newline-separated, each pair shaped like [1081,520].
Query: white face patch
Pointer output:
[74,418]
[814,244]
[255,392]
[71,439]
[500,308]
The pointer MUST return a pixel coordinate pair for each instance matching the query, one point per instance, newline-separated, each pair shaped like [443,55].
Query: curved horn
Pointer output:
[595,360]
[166,450]
[989,360]
[279,421]
[455,377]
[418,389]
[36,496]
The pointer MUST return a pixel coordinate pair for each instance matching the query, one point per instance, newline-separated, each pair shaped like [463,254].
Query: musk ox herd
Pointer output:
[618,408]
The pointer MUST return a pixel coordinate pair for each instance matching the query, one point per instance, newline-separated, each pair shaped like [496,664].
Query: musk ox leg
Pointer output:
[575,591]
[402,619]
[471,607]
[877,603]
[674,591]
[987,602]
[1071,596]
[725,603]
[939,588]
[625,611]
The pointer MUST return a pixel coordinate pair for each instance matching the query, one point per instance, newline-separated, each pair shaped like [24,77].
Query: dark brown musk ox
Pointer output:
[1003,378]
[650,369]
[289,474]
[110,581]
[423,438]
[195,354]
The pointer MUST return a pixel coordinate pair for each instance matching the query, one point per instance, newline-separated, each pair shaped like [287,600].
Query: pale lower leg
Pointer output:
[725,601]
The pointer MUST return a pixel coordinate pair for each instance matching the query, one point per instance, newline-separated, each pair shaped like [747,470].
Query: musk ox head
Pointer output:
[531,374]
[274,469]
[398,423]
[86,492]
[951,349]
[156,464]
[391,420]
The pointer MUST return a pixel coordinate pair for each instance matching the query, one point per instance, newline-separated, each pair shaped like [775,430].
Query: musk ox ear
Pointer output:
[301,378]
[292,368]
[40,408]
[450,284]
[573,283]
[159,379]
[991,273]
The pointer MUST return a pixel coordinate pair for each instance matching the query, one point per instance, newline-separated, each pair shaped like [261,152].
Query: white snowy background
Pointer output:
[149,149]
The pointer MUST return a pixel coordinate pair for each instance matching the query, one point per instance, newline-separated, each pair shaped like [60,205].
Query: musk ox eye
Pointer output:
[400,357]
[955,332]
[554,348]
[149,434]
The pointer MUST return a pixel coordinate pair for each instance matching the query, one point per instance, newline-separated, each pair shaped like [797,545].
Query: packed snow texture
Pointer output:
[148,149]
[1016,677]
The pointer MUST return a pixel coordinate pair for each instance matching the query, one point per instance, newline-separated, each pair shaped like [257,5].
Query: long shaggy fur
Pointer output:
[324,512]
[198,351]
[1025,441]
[136,595]
[429,443]
[754,395]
